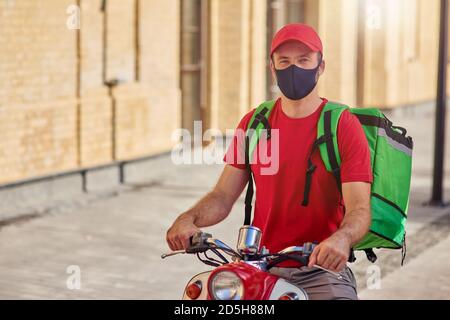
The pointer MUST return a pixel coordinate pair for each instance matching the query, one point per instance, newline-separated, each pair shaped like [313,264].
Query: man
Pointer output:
[297,64]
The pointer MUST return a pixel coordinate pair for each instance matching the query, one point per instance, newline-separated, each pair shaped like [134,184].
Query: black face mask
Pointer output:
[295,82]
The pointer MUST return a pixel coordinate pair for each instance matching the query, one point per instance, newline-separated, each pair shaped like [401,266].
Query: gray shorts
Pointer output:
[319,284]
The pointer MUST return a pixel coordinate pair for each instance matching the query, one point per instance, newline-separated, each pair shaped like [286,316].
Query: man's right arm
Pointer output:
[213,208]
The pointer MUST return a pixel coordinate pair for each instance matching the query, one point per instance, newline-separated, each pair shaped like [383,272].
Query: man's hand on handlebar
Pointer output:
[332,253]
[179,234]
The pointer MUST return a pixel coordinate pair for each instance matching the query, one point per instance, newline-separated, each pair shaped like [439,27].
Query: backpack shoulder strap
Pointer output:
[327,143]
[258,123]
[327,126]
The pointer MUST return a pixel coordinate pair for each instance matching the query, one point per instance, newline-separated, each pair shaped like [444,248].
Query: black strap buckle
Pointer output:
[352,257]
[371,256]
[336,171]
[311,169]
[260,118]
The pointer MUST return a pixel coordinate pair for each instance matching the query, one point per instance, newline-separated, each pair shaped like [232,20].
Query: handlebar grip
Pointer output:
[304,260]
[197,249]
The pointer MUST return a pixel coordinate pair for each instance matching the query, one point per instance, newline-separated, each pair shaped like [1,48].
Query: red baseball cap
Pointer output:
[297,32]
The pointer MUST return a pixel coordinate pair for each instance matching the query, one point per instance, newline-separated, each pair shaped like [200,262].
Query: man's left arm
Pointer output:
[356,177]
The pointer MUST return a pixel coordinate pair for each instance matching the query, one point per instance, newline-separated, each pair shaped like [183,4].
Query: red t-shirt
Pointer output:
[278,211]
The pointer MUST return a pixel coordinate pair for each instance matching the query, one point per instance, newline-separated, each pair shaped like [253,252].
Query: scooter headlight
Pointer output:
[226,285]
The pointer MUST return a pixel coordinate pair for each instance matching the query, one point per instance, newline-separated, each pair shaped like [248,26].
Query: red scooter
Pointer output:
[246,277]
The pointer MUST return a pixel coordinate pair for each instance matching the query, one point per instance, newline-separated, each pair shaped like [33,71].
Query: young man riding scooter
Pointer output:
[336,216]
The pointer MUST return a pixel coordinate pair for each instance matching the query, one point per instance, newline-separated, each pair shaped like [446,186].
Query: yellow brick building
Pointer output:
[85,83]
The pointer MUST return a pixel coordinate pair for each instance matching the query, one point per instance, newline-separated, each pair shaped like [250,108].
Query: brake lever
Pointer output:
[165,255]
[289,250]
[336,274]
[190,250]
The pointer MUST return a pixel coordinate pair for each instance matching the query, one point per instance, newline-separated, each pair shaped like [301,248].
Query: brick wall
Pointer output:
[56,114]
[38,87]
[95,102]
[120,42]
[37,51]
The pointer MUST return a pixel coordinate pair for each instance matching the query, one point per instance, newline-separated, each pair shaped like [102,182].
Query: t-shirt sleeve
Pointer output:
[235,155]
[354,150]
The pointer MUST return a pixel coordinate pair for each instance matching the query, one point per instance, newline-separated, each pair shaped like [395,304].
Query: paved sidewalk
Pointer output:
[116,239]
[425,277]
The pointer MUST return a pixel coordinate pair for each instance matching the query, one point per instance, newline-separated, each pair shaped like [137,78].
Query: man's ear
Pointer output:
[272,69]
[322,67]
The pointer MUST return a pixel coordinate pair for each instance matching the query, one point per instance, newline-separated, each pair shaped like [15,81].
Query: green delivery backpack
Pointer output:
[391,160]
